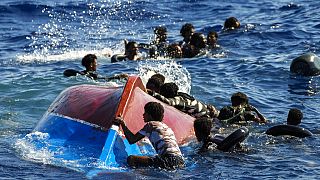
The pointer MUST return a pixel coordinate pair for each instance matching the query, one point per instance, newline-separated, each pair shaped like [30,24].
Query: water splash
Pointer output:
[170,69]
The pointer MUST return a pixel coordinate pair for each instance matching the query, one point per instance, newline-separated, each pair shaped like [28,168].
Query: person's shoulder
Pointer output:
[71,72]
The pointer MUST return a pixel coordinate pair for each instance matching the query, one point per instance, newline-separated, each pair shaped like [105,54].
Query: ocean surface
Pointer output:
[40,39]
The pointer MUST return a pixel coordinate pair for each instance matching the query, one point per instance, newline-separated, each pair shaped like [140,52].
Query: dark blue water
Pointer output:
[40,39]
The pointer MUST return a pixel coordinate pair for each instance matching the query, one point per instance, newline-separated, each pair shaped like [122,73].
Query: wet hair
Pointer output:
[88,59]
[160,30]
[160,76]
[239,98]
[169,90]
[155,110]
[231,23]
[202,128]
[154,84]
[185,28]
[294,116]
[198,40]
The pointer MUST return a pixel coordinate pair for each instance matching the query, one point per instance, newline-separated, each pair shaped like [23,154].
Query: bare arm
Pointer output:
[132,138]
[261,119]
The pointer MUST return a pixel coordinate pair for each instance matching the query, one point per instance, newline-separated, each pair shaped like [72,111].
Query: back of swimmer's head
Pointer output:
[294,117]
[155,111]
[231,23]
[202,128]
[154,84]
[169,90]
[160,76]
[88,60]
[239,98]
[160,30]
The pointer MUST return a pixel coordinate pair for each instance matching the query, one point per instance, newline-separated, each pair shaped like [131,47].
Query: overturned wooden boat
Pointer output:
[80,119]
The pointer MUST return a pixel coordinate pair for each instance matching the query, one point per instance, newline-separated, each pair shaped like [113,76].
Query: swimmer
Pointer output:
[240,110]
[212,39]
[203,131]
[231,23]
[89,61]
[184,102]
[159,45]
[131,53]
[294,117]
[292,127]
[186,32]
[161,136]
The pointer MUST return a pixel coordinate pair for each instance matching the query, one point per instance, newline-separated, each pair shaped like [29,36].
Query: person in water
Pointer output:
[203,131]
[231,23]
[160,76]
[131,53]
[186,32]
[294,117]
[154,84]
[196,46]
[240,110]
[160,135]
[212,39]
[184,102]
[159,45]
[89,61]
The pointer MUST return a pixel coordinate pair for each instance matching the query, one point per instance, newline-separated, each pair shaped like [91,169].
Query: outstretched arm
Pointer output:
[261,118]
[132,138]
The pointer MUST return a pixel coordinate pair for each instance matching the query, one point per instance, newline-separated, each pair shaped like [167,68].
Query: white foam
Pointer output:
[64,56]
[170,69]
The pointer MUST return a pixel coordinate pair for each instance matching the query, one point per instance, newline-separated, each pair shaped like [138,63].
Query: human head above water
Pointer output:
[131,49]
[239,98]
[294,117]
[154,84]
[161,33]
[212,38]
[202,128]
[153,111]
[231,23]
[160,76]
[169,90]
[89,61]
[187,30]
[198,40]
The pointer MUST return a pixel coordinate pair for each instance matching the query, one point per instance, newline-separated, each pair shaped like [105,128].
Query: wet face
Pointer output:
[133,49]
[147,117]
[187,34]
[212,40]
[93,65]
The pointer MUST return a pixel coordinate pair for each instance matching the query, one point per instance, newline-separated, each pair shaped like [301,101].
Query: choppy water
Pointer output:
[40,39]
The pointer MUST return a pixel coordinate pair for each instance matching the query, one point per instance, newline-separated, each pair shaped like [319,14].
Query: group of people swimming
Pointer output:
[193,43]
[208,119]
